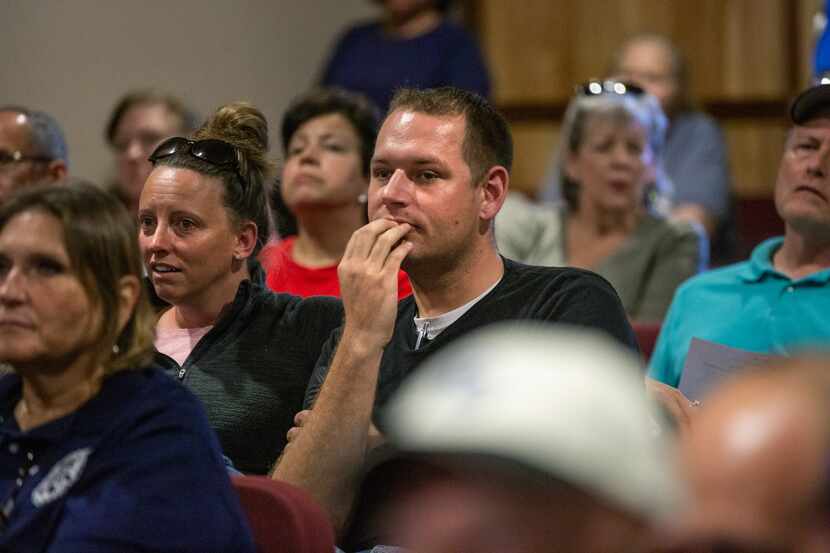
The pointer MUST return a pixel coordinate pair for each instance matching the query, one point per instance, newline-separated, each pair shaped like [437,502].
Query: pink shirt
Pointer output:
[179,342]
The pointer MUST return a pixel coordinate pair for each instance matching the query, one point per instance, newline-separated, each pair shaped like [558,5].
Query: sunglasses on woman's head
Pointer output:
[596,88]
[211,150]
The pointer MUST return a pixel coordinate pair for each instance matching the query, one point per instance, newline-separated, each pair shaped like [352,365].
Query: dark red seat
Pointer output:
[757,220]
[647,334]
[283,518]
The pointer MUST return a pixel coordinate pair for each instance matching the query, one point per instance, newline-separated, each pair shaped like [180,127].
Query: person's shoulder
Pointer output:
[151,385]
[520,214]
[514,211]
[550,281]
[319,304]
[520,272]
[323,311]
[150,433]
[360,31]
[263,298]
[135,400]
[567,295]
[519,202]
[697,123]
[670,229]
[726,275]
[453,30]
[296,308]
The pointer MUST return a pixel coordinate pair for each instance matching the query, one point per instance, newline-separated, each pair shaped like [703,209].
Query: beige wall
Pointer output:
[74,58]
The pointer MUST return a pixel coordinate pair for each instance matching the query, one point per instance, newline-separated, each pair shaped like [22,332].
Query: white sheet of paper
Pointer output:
[708,363]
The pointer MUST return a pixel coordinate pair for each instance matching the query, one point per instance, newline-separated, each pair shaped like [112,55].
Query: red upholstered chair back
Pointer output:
[757,220]
[283,518]
[646,336]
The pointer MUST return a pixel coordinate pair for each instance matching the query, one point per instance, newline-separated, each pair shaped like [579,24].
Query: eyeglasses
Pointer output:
[212,150]
[596,88]
[7,159]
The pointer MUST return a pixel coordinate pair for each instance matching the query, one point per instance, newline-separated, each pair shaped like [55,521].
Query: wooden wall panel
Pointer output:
[538,49]
[534,145]
[755,150]
[747,57]
[756,51]
[524,48]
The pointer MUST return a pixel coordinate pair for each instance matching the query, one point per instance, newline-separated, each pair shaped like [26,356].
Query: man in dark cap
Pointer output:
[777,301]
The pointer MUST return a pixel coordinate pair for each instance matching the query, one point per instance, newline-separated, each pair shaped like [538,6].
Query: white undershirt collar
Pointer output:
[430,327]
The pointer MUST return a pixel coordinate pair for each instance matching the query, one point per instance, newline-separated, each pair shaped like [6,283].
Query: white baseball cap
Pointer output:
[565,401]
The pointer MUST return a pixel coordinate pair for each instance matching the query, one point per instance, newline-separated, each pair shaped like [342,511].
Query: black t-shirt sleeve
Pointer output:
[321,369]
[589,300]
[318,318]
[312,322]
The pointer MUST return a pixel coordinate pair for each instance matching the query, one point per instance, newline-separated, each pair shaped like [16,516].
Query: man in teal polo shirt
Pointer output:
[779,300]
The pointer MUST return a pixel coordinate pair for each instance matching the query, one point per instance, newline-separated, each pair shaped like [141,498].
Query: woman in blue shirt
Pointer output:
[98,452]
[414,45]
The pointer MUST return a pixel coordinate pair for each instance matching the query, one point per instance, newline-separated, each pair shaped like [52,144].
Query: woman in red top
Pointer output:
[328,137]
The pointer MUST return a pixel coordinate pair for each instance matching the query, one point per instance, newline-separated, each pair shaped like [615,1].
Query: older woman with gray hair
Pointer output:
[615,194]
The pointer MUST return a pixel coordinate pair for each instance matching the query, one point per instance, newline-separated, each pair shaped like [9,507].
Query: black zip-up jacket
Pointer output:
[252,368]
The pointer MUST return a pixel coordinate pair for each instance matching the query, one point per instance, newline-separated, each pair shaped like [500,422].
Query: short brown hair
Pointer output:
[145,97]
[487,138]
[99,237]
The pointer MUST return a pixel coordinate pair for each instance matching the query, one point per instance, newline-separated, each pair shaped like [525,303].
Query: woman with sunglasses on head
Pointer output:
[98,452]
[611,220]
[695,155]
[328,137]
[246,352]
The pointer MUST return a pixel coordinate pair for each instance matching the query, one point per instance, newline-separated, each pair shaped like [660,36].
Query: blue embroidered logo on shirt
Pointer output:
[66,472]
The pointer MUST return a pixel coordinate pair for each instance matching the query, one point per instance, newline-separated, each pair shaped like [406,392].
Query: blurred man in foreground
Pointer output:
[757,462]
[563,459]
